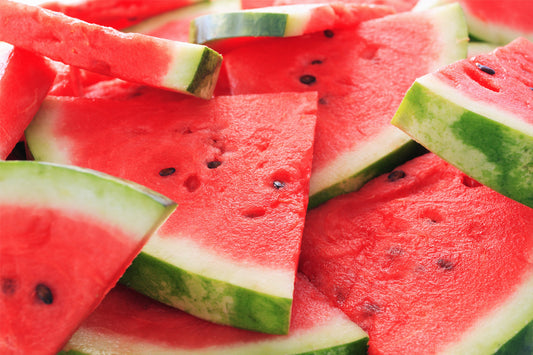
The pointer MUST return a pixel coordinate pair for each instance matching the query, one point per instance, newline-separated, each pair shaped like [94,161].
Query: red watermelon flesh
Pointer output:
[513,13]
[397,5]
[238,165]
[25,79]
[133,323]
[419,256]
[173,65]
[355,102]
[115,13]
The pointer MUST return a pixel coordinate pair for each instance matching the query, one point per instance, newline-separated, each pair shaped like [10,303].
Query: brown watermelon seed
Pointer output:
[486,69]
[167,171]
[307,79]
[396,175]
[278,184]
[329,33]
[316,61]
[214,164]
[44,294]
[9,286]
[445,264]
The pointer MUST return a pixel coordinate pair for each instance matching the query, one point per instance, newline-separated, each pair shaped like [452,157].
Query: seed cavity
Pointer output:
[322,101]
[486,69]
[469,182]
[396,175]
[307,79]
[329,33]
[214,164]
[278,184]
[445,264]
[167,171]
[9,286]
[44,294]
[254,212]
[192,183]
[316,62]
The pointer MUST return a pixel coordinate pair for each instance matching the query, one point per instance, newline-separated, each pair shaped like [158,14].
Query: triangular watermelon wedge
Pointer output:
[66,237]
[130,323]
[239,168]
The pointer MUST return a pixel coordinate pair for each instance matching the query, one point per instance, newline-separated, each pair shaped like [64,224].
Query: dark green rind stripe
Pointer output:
[359,347]
[212,27]
[205,79]
[220,302]
[507,153]
[395,158]
[520,344]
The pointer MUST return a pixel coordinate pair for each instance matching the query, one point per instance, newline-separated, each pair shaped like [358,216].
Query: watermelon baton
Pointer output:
[179,66]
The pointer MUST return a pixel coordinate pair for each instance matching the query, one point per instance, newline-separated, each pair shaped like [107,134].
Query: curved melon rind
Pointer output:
[496,151]
[222,302]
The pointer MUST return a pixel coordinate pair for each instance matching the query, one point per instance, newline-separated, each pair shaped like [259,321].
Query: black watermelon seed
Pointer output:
[396,175]
[316,61]
[445,264]
[486,69]
[9,286]
[167,171]
[278,184]
[307,79]
[214,164]
[44,294]
[322,101]
[329,33]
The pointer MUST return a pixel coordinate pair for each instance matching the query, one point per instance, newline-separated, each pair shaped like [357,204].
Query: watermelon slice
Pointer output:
[493,21]
[476,114]
[281,21]
[178,66]
[379,59]
[239,167]
[113,13]
[67,235]
[129,323]
[24,82]
[397,5]
[427,261]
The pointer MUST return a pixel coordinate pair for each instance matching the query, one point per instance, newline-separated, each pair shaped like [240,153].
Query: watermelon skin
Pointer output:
[479,122]
[179,66]
[233,259]
[413,261]
[128,322]
[67,235]
[25,79]
[354,138]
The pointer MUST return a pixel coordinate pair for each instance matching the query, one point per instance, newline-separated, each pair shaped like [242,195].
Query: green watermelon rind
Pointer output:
[404,150]
[222,302]
[128,206]
[448,123]
[337,336]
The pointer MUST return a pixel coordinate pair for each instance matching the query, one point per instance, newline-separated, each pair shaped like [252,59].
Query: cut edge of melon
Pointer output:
[128,206]
[501,327]
[244,296]
[338,334]
[431,124]
[353,169]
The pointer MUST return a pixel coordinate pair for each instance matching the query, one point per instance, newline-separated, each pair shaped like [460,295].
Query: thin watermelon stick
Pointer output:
[178,66]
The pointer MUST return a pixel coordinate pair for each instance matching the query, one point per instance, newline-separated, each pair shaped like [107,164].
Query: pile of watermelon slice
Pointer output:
[266,177]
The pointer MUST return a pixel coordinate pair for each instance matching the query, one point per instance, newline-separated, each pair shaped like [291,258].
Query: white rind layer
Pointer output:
[185,254]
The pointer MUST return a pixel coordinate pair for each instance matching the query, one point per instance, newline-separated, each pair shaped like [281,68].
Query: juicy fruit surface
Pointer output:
[25,78]
[133,322]
[37,291]
[417,248]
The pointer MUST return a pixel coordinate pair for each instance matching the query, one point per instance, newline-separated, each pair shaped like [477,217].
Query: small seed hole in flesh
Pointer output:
[9,286]
[192,183]
[307,79]
[254,212]
[469,182]
[396,175]
[329,33]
